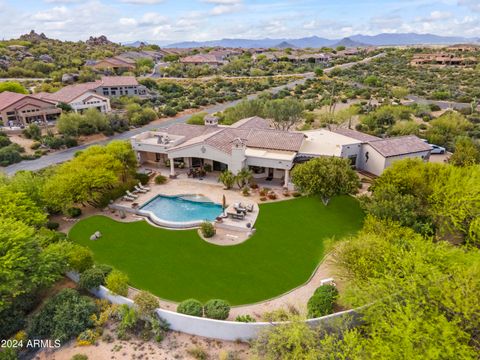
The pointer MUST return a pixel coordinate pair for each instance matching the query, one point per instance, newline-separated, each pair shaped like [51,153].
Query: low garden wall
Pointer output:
[210,328]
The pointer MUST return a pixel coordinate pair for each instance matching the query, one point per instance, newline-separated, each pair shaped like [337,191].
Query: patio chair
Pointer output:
[143,191]
[240,209]
[128,198]
[249,208]
[131,195]
[143,187]
[236,216]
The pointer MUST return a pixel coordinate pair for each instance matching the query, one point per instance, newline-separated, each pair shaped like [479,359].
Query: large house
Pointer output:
[203,59]
[20,110]
[80,97]
[95,94]
[116,64]
[269,153]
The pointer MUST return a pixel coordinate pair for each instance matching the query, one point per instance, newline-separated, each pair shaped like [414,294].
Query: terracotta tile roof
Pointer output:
[189,131]
[119,81]
[201,58]
[399,146]
[255,122]
[8,98]
[69,93]
[357,135]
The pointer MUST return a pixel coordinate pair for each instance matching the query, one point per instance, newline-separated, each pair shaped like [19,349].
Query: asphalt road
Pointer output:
[62,156]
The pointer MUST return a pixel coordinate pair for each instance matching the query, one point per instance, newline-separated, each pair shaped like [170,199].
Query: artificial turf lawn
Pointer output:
[177,265]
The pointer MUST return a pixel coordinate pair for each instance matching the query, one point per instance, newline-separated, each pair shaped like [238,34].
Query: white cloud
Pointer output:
[473,5]
[142,2]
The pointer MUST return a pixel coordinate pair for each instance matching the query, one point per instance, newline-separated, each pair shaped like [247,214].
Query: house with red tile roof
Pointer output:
[20,110]
[269,153]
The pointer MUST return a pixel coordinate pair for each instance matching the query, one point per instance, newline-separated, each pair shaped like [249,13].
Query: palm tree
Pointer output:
[243,177]
[227,178]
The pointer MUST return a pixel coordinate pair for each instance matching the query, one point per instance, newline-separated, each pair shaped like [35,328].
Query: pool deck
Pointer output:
[208,187]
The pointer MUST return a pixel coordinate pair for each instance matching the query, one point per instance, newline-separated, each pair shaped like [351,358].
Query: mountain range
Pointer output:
[385,39]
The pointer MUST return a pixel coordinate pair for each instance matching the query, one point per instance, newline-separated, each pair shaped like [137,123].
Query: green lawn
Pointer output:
[176,265]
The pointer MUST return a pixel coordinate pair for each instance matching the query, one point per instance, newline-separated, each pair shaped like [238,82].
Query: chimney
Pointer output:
[210,120]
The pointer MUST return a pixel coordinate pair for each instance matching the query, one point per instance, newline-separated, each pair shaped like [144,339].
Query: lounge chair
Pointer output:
[128,198]
[236,216]
[240,209]
[131,195]
[249,208]
[143,187]
[143,191]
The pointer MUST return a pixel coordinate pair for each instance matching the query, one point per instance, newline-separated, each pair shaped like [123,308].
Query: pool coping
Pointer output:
[172,224]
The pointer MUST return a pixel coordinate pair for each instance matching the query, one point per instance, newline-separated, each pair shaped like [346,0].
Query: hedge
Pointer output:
[191,307]
[322,301]
[217,309]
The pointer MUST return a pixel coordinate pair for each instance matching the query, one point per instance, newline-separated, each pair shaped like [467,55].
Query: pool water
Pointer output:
[185,208]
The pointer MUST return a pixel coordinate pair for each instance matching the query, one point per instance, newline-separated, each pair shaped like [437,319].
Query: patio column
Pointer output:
[172,168]
[287,178]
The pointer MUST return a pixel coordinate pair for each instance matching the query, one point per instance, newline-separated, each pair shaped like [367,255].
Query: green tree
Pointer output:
[13,87]
[446,128]
[467,152]
[243,177]
[285,113]
[326,177]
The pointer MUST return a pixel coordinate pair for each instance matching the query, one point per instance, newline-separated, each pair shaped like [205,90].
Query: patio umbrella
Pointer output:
[224,203]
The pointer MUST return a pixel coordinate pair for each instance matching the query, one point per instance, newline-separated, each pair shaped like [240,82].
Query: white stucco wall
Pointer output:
[421,155]
[376,162]
[196,151]
[214,329]
[81,103]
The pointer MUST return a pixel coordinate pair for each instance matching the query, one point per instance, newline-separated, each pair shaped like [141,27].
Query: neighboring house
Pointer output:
[203,59]
[270,154]
[119,86]
[154,55]
[20,110]
[441,59]
[117,64]
[80,97]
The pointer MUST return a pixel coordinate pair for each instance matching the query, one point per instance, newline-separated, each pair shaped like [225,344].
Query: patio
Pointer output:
[208,187]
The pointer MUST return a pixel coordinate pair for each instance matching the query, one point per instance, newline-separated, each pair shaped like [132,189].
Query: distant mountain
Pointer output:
[349,43]
[135,44]
[409,39]
[284,45]
[318,42]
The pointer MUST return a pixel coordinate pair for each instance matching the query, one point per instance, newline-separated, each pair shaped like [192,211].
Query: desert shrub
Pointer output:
[79,357]
[146,303]
[272,196]
[33,131]
[191,307]
[245,191]
[70,142]
[53,142]
[10,154]
[322,301]
[276,315]
[91,278]
[74,212]
[217,309]
[296,194]
[207,229]
[245,318]
[117,282]
[160,180]
[63,316]
[198,353]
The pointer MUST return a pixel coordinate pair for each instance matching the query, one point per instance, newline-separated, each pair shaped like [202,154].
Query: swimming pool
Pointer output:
[181,210]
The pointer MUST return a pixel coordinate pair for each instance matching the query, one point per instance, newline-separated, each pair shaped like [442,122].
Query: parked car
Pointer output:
[437,149]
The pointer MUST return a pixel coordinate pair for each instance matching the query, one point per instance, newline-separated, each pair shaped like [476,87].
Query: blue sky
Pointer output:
[179,20]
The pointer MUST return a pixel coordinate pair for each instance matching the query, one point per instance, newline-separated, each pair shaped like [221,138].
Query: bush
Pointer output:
[146,303]
[79,257]
[217,309]
[70,142]
[322,301]
[64,316]
[74,212]
[207,229]
[143,178]
[245,318]
[117,282]
[191,307]
[53,142]
[245,191]
[207,167]
[10,154]
[33,131]
[104,268]
[79,357]
[160,180]
[52,225]
[91,278]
